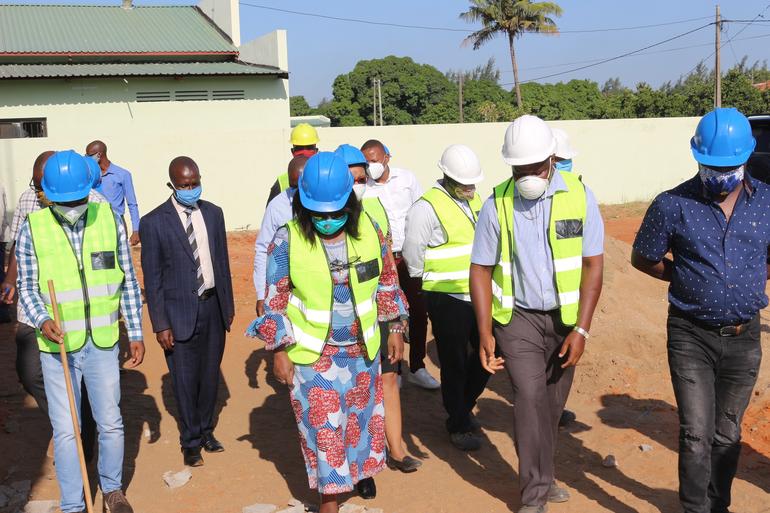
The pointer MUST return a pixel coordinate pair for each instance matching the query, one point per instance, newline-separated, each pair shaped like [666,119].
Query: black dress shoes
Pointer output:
[366,488]
[211,444]
[192,456]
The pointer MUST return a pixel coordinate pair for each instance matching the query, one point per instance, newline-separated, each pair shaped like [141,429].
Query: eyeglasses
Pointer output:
[34,187]
[328,215]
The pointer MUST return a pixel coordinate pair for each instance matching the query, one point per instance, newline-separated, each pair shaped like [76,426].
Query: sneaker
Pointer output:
[465,441]
[474,423]
[116,502]
[533,509]
[557,494]
[422,379]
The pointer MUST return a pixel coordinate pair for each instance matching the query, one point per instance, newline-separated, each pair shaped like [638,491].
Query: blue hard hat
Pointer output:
[387,151]
[66,177]
[723,139]
[326,183]
[351,155]
[94,170]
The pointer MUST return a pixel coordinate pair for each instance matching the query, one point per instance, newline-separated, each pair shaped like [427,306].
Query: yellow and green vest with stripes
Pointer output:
[567,208]
[310,305]
[447,266]
[89,294]
[283,181]
[373,207]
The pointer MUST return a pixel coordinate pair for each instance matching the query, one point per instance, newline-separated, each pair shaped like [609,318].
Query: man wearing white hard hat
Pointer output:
[564,151]
[437,248]
[536,276]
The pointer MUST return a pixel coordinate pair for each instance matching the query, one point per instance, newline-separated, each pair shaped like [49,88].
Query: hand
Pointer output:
[260,307]
[165,339]
[489,361]
[283,368]
[230,319]
[52,332]
[134,240]
[573,347]
[395,347]
[137,354]
[7,292]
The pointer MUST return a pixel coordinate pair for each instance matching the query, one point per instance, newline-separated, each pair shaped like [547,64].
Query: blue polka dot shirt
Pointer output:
[720,265]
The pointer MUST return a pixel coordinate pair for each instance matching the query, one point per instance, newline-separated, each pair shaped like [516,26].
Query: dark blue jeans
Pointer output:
[713,378]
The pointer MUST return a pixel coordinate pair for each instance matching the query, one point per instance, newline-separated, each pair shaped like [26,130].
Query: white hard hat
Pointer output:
[461,164]
[528,140]
[563,148]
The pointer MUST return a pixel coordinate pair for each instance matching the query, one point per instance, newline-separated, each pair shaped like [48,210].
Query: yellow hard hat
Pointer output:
[304,135]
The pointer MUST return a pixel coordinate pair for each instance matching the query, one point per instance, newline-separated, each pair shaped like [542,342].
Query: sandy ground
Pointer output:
[622,397]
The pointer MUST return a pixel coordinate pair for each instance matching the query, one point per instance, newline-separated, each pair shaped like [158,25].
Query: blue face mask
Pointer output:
[563,165]
[721,183]
[329,226]
[188,197]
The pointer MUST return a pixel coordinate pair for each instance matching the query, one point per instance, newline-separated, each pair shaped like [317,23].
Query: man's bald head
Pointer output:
[39,166]
[296,166]
[183,173]
[96,147]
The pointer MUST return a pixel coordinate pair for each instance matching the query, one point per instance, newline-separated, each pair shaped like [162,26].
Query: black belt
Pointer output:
[207,294]
[397,255]
[724,330]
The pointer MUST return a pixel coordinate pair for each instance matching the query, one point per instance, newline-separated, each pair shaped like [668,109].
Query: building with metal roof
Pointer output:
[153,83]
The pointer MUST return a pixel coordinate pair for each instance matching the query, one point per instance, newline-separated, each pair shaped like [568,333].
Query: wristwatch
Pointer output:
[583,332]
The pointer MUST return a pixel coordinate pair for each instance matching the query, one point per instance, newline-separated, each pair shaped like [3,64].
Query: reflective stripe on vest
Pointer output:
[569,205]
[88,298]
[312,297]
[447,266]
[373,207]
[283,181]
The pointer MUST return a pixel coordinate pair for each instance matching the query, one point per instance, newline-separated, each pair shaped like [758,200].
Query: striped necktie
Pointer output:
[188,226]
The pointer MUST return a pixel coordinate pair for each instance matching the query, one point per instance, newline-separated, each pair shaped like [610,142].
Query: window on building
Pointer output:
[190,96]
[22,128]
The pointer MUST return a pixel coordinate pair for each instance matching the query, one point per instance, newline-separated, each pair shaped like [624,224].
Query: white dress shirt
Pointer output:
[424,229]
[201,238]
[397,195]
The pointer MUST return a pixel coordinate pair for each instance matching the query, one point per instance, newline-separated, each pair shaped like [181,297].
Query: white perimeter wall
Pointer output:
[241,146]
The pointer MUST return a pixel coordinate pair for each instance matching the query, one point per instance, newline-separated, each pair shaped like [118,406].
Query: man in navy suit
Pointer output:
[189,296]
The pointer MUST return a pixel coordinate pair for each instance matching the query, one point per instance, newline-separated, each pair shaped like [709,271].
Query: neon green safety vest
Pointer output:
[283,181]
[568,208]
[312,298]
[373,207]
[88,295]
[447,266]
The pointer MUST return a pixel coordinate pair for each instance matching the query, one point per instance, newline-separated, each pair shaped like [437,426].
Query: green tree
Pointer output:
[512,18]
[298,106]
[409,91]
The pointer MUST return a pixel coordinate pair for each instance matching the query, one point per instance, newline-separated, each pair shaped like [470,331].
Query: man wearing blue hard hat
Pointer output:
[715,225]
[83,248]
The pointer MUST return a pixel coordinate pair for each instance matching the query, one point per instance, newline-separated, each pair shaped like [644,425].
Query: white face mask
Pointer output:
[72,214]
[359,189]
[376,170]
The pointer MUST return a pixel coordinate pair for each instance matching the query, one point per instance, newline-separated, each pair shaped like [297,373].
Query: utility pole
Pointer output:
[717,64]
[374,102]
[461,96]
[379,89]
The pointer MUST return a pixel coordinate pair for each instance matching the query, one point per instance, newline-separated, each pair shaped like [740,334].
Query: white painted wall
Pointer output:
[242,146]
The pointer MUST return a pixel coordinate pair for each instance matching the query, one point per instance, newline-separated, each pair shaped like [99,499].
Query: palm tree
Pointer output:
[512,18]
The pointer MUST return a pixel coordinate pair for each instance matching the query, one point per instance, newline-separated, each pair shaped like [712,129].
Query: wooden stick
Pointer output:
[71,397]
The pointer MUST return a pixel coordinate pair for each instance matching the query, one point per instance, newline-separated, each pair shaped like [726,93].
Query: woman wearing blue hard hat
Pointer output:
[330,280]
[716,227]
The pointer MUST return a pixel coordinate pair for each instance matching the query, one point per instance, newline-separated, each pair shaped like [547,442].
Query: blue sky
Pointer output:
[321,49]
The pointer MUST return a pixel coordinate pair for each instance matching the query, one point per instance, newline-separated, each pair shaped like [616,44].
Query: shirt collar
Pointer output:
[557,184]
[391,175]
[179,207]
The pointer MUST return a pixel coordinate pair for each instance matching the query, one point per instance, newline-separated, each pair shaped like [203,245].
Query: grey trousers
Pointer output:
[530,345]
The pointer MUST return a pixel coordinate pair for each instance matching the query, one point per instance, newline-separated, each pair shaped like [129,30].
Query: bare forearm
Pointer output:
[481,297]
[590,289]
[13,272]
[662,270]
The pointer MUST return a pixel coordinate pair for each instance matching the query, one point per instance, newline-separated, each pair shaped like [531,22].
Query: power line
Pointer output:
[627,54]
[452,29]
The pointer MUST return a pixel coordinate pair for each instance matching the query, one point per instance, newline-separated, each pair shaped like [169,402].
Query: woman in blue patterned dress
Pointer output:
[330,280]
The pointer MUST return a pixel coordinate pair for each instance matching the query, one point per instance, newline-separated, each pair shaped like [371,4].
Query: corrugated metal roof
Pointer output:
[57,29]
[134,69]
